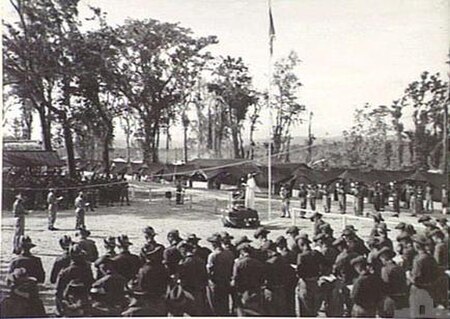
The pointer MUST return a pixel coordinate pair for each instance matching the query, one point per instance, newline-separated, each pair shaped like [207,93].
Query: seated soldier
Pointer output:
[31,263]
[23,300]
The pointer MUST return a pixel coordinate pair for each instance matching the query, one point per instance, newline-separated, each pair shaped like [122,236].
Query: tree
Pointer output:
[287,108]
[427,96]
[41,65]
[395,112]
[232,85]
[366,143]
[254,115]
[156,61]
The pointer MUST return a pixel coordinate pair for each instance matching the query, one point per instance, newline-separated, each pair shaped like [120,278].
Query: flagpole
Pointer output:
[269,99]
[269,160]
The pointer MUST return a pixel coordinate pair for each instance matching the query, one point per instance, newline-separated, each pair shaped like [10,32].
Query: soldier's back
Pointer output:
[60,263]
[90,249]
[15,306]
[127,264]
[32,264]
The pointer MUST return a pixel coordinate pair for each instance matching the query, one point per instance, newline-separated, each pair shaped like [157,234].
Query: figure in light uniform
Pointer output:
[250,192]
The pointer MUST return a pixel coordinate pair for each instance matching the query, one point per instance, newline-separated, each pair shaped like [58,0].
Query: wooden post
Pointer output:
[190,201]
[149,194]
[215,206]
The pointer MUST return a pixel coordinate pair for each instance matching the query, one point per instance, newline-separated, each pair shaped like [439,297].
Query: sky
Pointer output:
[352,51]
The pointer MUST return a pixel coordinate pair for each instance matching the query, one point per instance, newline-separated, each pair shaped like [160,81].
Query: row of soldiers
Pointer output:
[99,189]
[416,198]
[292,275]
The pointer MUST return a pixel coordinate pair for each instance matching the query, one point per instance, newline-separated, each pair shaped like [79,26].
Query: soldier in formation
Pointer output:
[296,275]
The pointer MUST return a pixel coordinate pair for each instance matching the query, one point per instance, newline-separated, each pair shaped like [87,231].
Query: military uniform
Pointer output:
[18,306]
[171,258]
[60,263]
[309,263]
[89,247]
[247,279]
[193,278]
[342,198]
[19,213]
[77,271]
[52,203]
[32,264]
[366,295]
[280,277]
[219,268]
[127,264]
[394,287]
[424,274]
[80,211]
[113,285]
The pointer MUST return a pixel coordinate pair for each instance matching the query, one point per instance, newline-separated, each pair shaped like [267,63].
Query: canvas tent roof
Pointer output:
[31,158]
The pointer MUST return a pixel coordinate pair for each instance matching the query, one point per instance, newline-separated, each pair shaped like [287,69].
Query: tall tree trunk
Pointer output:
[420,147]
[105,151]
[400,149]
[235,139]
[45,129]
[68,140]
[185,146]
[209,144]
[287,150]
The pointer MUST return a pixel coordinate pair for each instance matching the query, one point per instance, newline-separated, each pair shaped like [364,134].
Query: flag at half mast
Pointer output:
[271,28]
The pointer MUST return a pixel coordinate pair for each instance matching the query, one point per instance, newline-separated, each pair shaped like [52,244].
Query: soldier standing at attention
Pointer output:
[342,198]
[285,199]
[52,202]
[19,213]
[31,263]
[126,263]
[311,194]
[80,211]
[429,207]
[303,195]
[444,199]
[326,198]
[396,198]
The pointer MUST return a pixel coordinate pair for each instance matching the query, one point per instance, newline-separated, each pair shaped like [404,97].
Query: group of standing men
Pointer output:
[414,197]
[294,275]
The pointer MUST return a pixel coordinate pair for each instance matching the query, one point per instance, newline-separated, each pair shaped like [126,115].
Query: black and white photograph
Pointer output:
[225,158]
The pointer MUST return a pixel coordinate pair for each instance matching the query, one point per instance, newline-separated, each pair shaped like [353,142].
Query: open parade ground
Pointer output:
[201,217]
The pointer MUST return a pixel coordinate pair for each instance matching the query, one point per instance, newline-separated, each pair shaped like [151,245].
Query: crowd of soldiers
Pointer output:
[417,198]
[292,275]
[99,189]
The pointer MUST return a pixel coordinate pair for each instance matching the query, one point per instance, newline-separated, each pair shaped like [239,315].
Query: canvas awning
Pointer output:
[31,159]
